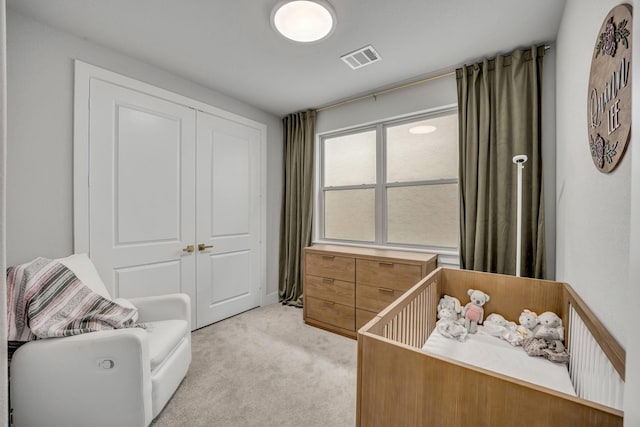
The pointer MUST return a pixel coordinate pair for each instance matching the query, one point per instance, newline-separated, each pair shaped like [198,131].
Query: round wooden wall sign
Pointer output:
[609,99]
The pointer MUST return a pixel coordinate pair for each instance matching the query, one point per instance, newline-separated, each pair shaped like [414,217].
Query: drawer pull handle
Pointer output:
[385,264]
[386,290]
[330,303]
[328,257]
[328,281]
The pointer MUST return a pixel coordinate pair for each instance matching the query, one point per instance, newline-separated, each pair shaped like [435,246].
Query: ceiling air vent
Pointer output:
[361,57]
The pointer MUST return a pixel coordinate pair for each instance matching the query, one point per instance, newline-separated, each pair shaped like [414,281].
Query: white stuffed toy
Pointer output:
[547,339]
[473,312]
[496,325]
[451,303]
[549,327]
[528,321]
[448,325]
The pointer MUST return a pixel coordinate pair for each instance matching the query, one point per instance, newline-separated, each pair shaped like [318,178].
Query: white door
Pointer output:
[228,218]
[142,192]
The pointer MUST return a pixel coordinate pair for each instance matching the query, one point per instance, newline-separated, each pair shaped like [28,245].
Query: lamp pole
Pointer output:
[519,160]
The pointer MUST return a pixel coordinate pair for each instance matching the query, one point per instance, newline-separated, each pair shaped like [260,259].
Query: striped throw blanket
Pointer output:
[45,299]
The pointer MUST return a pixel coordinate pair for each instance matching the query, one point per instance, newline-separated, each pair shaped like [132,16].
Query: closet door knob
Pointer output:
[189,249]
[202,246]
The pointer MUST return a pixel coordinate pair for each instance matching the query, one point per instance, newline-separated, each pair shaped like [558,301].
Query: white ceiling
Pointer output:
[229,45]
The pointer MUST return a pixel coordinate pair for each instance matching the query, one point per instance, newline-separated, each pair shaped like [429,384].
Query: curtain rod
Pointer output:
[394,88]
[382,92]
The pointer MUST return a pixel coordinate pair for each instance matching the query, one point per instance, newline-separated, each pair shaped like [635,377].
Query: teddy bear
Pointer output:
[547,338]
[473,312]
[527,322]
[549,327]
[452,303]
[551,330]
[448,325]
[496,325]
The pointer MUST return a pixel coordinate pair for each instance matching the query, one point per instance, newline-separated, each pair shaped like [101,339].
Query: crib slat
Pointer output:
[413,324]
[593,375]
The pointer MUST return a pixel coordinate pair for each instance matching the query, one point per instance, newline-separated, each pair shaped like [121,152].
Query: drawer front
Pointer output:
[394,275]
[363,317]
[375,298]
[331,313]
[334,267]
[330,290]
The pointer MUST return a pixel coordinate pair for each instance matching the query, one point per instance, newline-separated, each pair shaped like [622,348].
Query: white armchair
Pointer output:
[122,377]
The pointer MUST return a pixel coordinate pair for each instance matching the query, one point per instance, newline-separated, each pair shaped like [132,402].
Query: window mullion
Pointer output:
[320,188]
[381,196]
[419,183]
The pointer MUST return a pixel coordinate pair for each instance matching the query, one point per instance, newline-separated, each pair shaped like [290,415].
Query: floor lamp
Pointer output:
[519,160]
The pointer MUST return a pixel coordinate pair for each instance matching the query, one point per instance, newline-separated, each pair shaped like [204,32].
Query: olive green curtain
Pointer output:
[297,202]
[499,113]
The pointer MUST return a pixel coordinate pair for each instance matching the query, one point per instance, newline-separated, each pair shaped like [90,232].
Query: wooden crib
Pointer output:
[401,385]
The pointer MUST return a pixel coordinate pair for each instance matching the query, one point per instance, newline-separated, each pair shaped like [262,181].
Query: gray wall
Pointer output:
[598,238]
[40,149]
[4,390]
[441,92]
[632,374]
[593,208]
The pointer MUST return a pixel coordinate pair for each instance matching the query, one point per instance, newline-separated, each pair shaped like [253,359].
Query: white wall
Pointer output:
[592,207]
[598,221]
[442,92]
[4,392]
[40,116]
[632,380]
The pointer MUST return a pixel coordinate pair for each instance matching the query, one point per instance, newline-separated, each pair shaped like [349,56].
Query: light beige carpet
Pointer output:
[265,367]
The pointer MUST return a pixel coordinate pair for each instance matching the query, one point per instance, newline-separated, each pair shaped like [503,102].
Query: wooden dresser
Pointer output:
[345,287]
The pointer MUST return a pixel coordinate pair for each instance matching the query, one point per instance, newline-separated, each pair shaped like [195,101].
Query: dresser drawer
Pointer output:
[333,267]
[363,317]
[331,313]
[375,298]
[330,289]
[394,275]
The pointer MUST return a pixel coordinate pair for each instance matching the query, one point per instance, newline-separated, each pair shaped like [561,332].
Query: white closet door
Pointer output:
[228,218]
[142,192]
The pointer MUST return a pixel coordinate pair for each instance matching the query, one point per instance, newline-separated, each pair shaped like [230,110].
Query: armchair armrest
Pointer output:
[71,378]
[163,307]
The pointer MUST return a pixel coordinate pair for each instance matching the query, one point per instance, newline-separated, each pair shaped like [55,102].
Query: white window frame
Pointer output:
[448,255]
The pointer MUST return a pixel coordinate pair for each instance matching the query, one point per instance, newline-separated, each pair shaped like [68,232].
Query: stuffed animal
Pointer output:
[528,320]
[551,330]
[556,352]
[473,312]
[496,325]
[547,338]
[534,346]
[451,303]
[549,327]
[448,325]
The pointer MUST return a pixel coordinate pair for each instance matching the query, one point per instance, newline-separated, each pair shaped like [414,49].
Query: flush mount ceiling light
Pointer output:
[419,130]
[304,20]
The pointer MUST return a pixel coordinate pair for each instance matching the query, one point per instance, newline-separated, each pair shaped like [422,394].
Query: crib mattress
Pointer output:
[491,353]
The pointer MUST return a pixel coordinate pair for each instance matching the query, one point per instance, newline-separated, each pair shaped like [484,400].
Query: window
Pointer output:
[393,183]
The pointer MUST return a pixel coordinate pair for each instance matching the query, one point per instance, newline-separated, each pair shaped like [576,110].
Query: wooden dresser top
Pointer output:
[372,252]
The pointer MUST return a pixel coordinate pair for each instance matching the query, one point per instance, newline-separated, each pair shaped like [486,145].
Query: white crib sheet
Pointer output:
[491,353]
